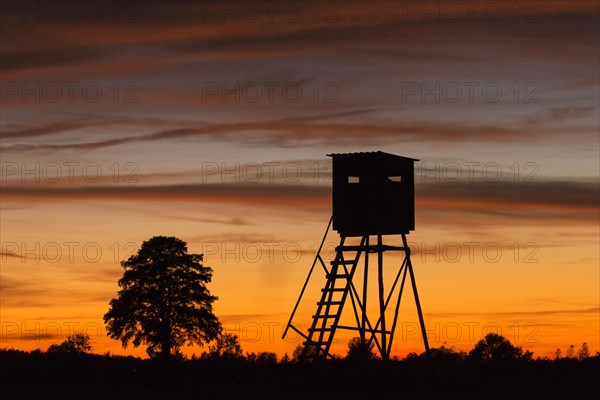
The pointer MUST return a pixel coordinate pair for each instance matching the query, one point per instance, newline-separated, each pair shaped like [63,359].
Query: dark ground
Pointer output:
[39,375]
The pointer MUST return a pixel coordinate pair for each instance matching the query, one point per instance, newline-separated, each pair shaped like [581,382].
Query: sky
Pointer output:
[211,122]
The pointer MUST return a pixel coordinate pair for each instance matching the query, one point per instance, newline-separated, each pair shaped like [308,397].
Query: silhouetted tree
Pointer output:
[495,347]
[226,345]
[571,352]
[78,343]
[557,354]
[285,359]
[163,301]
[264,357]
[584,352]
[443,353]
[297,352]
[359,351]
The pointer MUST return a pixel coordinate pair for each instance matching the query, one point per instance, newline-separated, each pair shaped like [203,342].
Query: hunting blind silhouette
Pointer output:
[373,197]
[373,193]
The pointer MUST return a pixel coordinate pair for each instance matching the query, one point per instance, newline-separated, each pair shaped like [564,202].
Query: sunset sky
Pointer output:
[211,122]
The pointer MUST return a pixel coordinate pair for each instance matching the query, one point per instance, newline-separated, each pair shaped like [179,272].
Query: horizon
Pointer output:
[212,122]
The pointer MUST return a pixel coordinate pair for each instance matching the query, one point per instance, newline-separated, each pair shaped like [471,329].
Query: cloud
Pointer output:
[510,196]
[534,203]
[217,27]
[515,313]
[4,255]
[60,123]
[24,59]
[235,318]
[47,129]
[228,221]
[265,195]
[558,114]
[293,132]
[70,122]
[29,293]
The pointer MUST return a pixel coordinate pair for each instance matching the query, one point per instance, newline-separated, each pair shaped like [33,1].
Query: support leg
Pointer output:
[364,299]
[384,354]
[414,288]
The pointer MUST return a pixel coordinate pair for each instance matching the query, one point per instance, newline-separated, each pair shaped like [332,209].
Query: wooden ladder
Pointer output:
[330,306]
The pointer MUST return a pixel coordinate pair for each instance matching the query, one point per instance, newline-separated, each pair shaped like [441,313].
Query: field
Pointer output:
[40,375]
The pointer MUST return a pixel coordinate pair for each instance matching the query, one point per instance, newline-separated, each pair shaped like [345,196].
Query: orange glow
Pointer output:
[507,197]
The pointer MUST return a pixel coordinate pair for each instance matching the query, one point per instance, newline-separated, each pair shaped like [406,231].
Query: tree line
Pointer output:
[492,348]
[164,303]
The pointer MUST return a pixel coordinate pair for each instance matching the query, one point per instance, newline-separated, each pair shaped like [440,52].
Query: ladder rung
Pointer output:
[349,248]
[324,316]
[337,276]
[353,328]
[331,303]
[342,262]
[316,344]
[333,289]
[318,329]
[371,249]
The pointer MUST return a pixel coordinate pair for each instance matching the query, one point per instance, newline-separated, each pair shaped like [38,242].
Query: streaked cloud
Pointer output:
[286,133]
[517,313]
[576,201]
[182,27]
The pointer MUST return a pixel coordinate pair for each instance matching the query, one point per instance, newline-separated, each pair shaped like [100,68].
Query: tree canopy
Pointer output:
[163,302]
[495,348]
[78,343]
[360,351]
[226,345]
